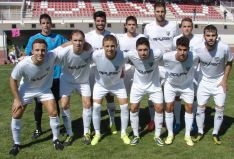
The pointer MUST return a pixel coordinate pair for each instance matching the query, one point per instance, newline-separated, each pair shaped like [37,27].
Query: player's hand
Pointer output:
[224,85]
[17,104]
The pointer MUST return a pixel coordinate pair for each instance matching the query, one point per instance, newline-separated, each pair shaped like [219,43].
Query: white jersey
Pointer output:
[95,39]
[36,78]
[179,73]
[127,43]
[161,37]
[108,71]
[213,62]
[75,67]
[146,71]
[193,43]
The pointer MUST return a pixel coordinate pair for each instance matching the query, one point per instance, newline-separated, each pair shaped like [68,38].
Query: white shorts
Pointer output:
[128,77]
[66,88]
[119,90]
[206,90]
[26,97]
[137,93]
[185,93]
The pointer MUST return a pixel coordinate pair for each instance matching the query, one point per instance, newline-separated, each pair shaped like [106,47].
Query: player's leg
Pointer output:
[177,111]
[169,96]
[219,99]
[56,92]
[37,116]
[98,93]
[110,100]
[87,111]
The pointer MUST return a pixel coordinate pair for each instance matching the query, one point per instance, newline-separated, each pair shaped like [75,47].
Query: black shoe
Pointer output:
[198,137]
[87,139]
[58,145]
[14,150]
[36,134]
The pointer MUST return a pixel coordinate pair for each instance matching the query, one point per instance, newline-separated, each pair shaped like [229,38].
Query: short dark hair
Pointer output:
[182,41]
[110,38]
[40,41]
[99,14]
[211,28]
[45,16]
[133,18]
[160,3]
[143,41]
[186,19]
[79,32]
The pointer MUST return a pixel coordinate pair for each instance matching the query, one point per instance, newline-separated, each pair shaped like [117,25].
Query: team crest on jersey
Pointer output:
[116,68]
[217,59]
[48,68]
[151,64]
[168,33]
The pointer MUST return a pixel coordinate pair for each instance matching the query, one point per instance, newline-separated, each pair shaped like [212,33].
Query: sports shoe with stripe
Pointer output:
[14,150]
[197,138]
[216,139]
[87,139]
[159,141]
[95,139]
[58,145]
[135,140]
[68,141]
[36,133]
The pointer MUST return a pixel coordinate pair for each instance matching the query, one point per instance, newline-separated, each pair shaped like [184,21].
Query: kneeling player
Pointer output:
[179,66]
[37,74]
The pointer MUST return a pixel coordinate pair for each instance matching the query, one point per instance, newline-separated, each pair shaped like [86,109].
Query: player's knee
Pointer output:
[65,107]
[219,109]
[158,108]
[86,103]
[134,109]
[53,113]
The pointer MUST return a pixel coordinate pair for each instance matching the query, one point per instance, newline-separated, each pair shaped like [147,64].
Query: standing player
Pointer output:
[216,63]
[127,42]
[75,61]
[109,62]
[180,69]
[160,34]
[53,40]
[146,81]
[95,38]
[37,74]
[186,29]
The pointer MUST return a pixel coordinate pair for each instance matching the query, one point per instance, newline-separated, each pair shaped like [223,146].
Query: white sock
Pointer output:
[158,120]
[87,115]
[66,115]
[54,124]
[124,115]
[177,111]
[200,117]
[169,117]
[188,118]
[134,118]
[111,112]
[96,117]
[151,110]
[15,128]
[218,119]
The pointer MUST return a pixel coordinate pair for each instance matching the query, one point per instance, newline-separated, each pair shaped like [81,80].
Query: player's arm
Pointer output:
[14,89]
[227,71]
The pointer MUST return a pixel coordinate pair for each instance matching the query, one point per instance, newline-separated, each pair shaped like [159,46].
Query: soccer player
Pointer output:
[186,29]
[37,74]
[110,63]
[53,40]
[146,81]
[95,38]
[127,42]
[160,34]
[75,61]
[180,66]
[216,63]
